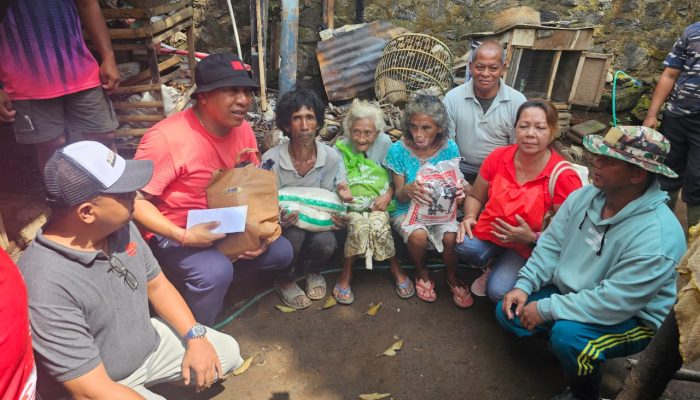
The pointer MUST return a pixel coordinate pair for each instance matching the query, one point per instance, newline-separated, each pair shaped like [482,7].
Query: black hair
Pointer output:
[294,101]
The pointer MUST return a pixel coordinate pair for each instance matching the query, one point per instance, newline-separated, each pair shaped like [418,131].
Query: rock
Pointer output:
[629,5]
[590,127]
[627,97]
[403,13]
[634,57]
[549,16]
[573,137]
[640,110]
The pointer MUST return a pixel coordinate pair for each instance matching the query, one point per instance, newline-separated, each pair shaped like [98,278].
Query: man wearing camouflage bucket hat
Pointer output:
[602,276]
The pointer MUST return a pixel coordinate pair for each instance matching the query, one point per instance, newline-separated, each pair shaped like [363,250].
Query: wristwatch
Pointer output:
[196,332]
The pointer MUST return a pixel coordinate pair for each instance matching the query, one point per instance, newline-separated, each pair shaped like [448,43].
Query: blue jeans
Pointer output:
[580,347]
[504,269]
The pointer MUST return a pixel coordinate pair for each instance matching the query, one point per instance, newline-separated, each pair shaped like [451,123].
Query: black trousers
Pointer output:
[684,157]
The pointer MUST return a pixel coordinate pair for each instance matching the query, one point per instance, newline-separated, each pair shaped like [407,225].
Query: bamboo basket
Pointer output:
[413,63]
[515,16]
[148,3]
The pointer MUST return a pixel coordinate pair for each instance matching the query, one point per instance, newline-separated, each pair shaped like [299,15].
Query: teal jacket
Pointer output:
[607,270]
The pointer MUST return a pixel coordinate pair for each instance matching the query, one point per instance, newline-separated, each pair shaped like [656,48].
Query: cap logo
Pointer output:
[237,66]
[111,158]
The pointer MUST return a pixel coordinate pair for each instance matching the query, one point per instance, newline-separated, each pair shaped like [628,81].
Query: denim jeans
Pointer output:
[504,268]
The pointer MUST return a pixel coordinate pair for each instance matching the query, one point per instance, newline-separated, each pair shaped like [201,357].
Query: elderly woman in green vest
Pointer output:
[368,231]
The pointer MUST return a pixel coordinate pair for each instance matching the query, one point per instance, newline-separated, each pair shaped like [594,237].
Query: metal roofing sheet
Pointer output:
[348,61]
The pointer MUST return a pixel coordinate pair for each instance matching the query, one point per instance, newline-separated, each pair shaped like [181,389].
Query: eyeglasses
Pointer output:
[116,264]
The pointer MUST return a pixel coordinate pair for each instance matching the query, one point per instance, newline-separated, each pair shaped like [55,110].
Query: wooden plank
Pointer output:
[523,37]
[130,132]
[140,118]
[4,240]
[161,36]
[136,89]
[152,27]
[553,73]
[145,74]
[554,39]
[590,79]
[328,13]
[189,33]
[566,73]
[125,105]
[127,13]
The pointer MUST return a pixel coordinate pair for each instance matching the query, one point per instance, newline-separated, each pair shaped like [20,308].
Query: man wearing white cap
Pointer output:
[90,279]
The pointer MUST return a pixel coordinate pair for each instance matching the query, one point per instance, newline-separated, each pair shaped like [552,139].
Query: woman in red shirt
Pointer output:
[504,210]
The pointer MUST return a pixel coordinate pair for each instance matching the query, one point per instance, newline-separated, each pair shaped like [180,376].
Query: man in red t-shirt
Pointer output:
[52,83]
[186,148]
[17,371]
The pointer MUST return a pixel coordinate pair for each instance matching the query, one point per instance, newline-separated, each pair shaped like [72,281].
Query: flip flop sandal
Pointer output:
[343,296]
[289,294]
[314,281]
[407,287]
[461,295]
[425,290]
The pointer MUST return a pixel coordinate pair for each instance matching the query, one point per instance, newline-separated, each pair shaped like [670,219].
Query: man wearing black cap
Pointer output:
[90,278]
[186,148]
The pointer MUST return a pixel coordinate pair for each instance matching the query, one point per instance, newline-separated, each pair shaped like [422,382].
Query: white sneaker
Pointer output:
[479,285]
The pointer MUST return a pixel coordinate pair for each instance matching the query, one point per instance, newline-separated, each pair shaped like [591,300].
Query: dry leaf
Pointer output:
[330,302]
[244,367]
[373,310]
[285,308]
[374,396]
[391,351]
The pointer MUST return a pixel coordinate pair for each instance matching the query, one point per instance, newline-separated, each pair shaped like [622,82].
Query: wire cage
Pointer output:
[413,63]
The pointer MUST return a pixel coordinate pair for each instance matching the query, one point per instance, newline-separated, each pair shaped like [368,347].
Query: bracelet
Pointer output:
[182,238]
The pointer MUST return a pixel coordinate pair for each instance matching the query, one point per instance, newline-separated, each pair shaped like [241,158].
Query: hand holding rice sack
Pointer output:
[305,169]
[425,141]
[505,209]
[363,148]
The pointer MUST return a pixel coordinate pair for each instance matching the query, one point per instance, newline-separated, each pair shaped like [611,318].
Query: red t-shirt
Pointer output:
[530,200]
[17,371]
[184,155]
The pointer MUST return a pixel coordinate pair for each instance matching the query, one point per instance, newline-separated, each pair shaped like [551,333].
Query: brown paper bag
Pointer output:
[246,186]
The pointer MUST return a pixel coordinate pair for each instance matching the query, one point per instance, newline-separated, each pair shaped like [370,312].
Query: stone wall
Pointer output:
[638,32]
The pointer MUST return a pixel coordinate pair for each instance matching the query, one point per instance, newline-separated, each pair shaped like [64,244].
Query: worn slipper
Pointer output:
[461,296]
[293,296]
[425,290]
[315,286]
[343,296]
[405,289]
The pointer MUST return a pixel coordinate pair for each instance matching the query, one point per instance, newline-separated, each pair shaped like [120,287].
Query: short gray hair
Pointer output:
[362,109]
[486,44]
[431,106]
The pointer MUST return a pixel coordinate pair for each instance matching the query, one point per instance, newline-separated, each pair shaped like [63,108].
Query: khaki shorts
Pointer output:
[87,111]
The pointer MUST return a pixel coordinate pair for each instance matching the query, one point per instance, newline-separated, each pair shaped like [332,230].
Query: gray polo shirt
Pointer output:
[477,133]
[325,174]
[83,314]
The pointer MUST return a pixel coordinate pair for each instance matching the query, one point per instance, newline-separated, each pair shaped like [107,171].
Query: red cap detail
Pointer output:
[237,66]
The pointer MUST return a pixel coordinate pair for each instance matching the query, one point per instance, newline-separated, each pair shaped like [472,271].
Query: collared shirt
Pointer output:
[685,56]
[83,313]
[477,133]
[325,174]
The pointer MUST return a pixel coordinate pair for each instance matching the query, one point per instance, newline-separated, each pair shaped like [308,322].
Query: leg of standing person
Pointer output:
[691,180]
[202,275]
[164,364]
[504,274]
[672,129]
[90,113]
[42,124]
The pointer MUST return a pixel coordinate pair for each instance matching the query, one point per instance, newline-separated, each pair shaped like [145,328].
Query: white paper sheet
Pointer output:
[232,218]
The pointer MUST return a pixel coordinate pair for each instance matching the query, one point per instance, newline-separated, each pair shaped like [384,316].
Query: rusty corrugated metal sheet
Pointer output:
[349,60]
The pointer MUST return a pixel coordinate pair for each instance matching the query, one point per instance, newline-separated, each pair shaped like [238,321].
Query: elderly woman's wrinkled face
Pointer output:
[423,129]
[363,133]
[532,134]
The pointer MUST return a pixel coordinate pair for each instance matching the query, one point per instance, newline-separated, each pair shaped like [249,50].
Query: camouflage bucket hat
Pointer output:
[637,145]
